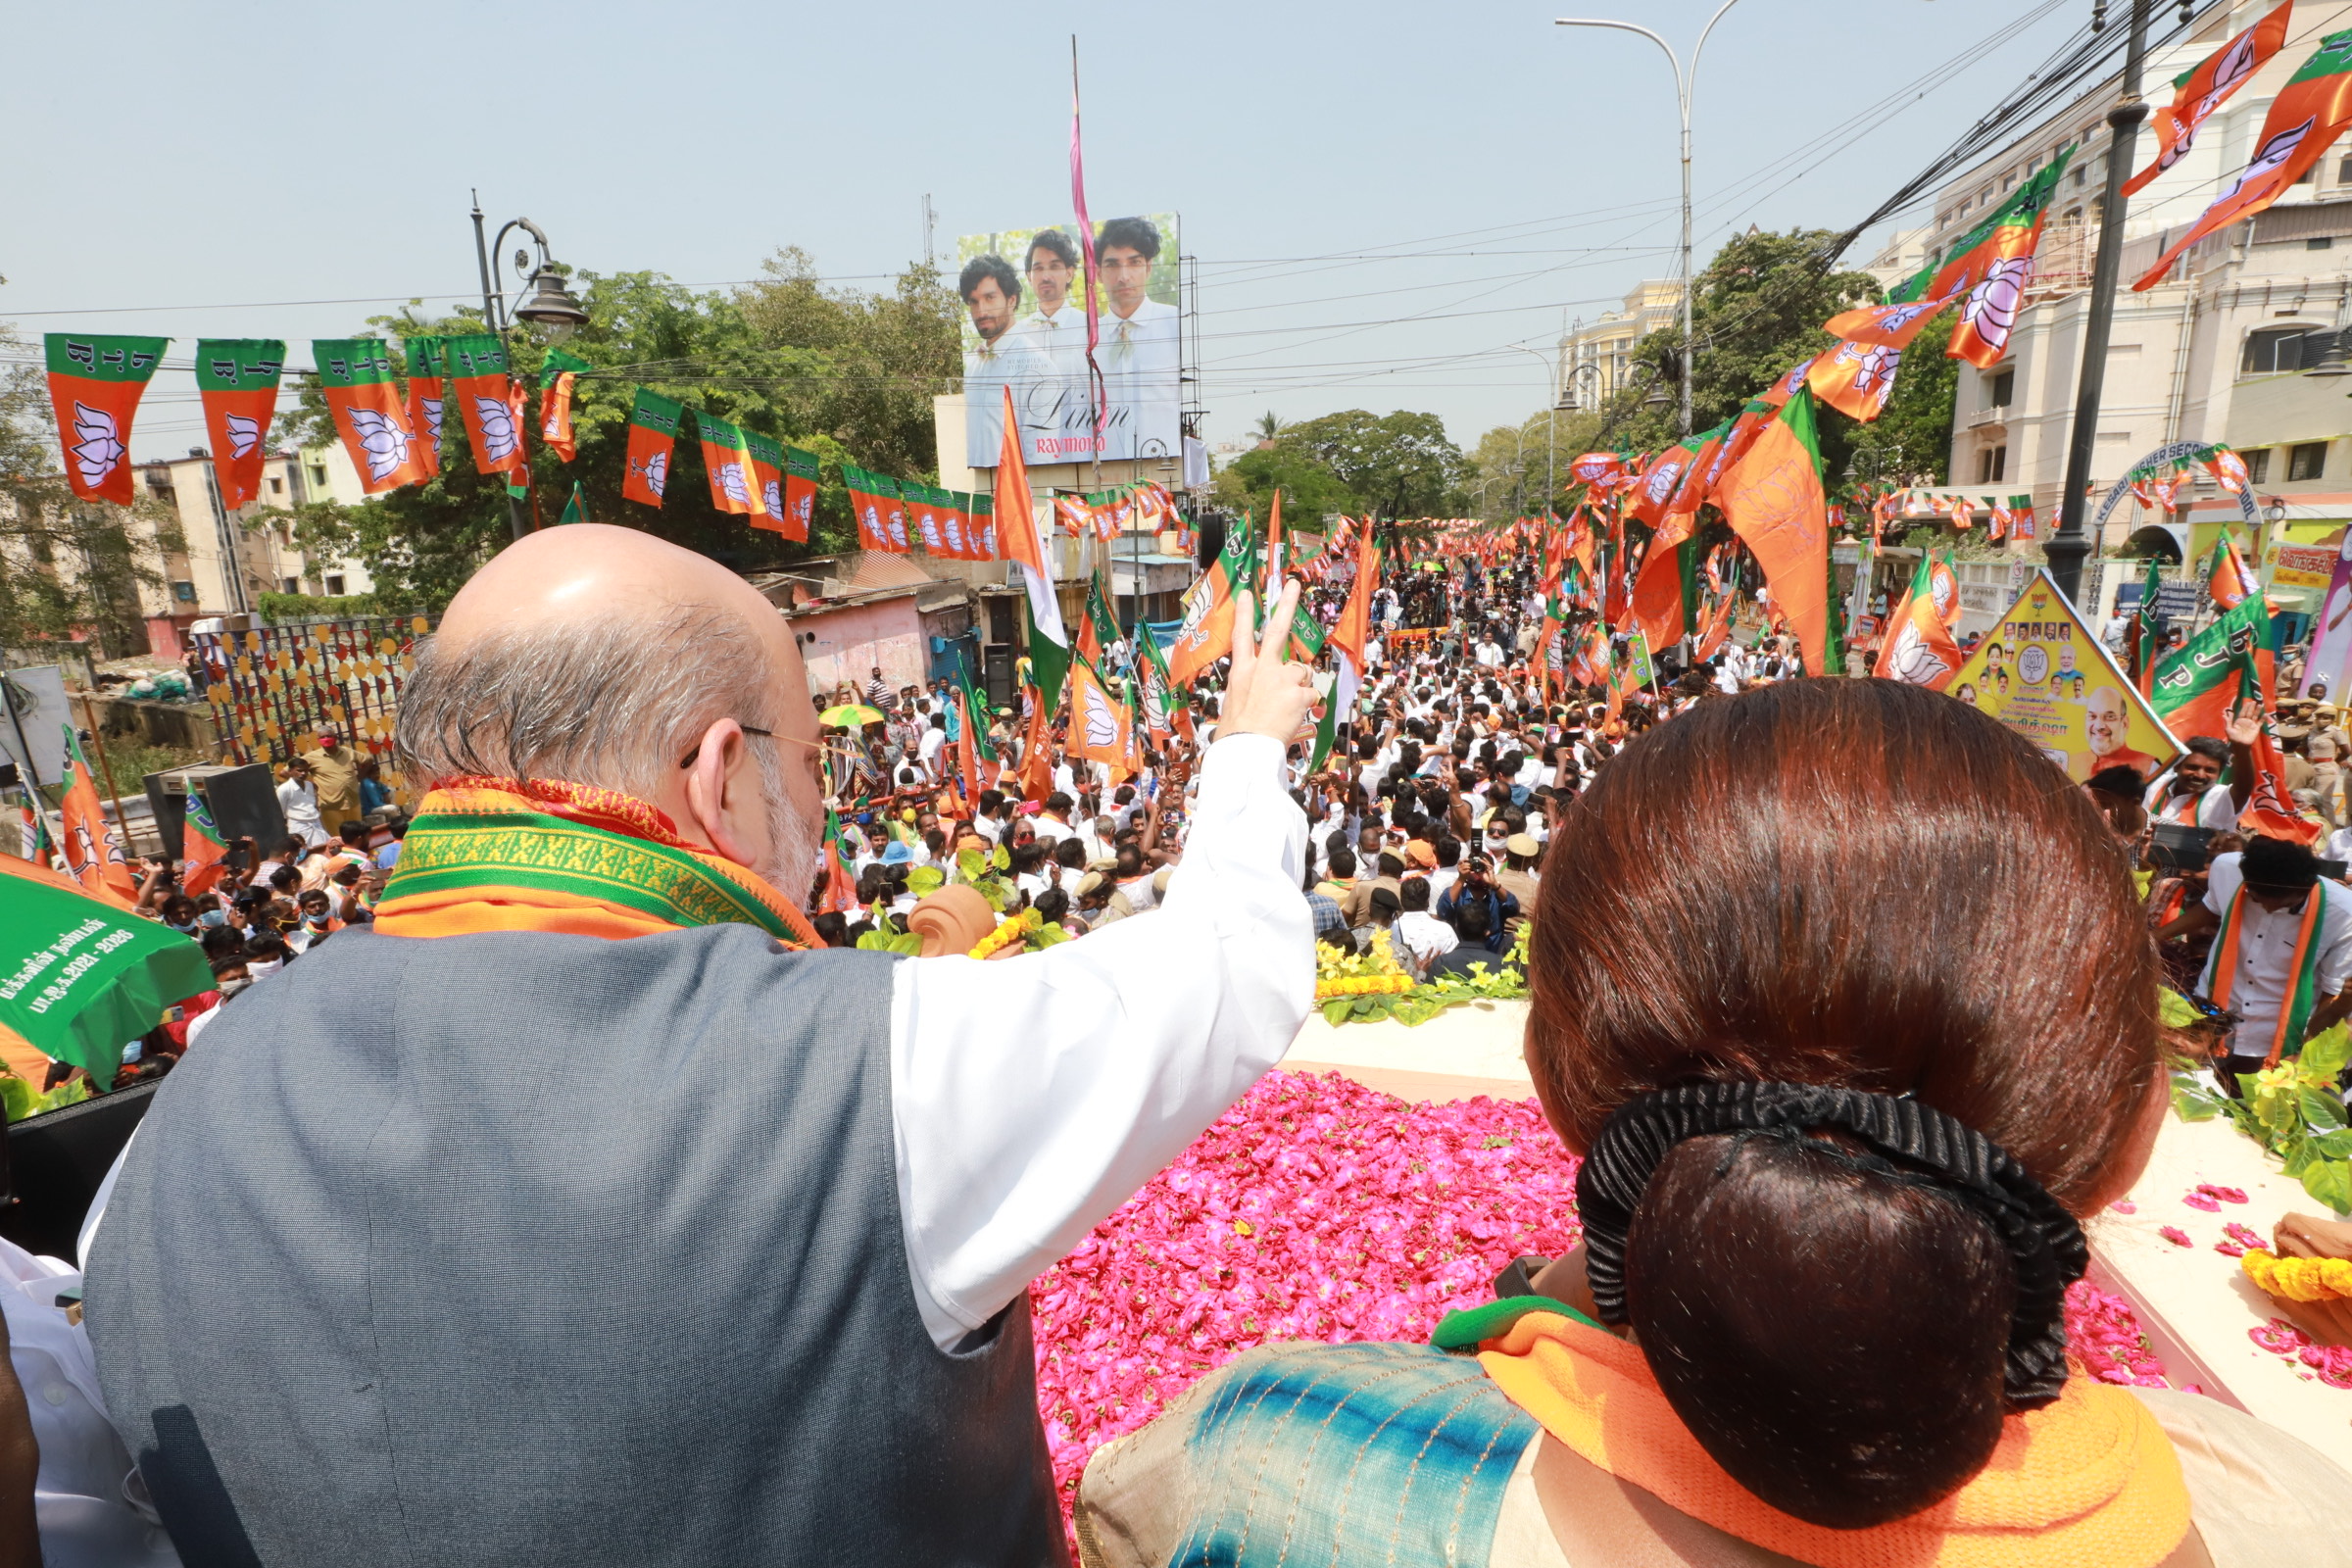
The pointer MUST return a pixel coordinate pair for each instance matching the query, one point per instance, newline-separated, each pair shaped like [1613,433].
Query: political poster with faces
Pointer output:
[2040,671]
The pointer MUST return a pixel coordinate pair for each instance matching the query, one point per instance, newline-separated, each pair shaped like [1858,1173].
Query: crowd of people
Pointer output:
[1756,1108]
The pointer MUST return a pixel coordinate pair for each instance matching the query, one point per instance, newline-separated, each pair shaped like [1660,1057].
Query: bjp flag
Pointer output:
[1102,727]
[2204,88]
[1774,501]
[801,474]
[94,855]
[354,376]
[95,384]
[727,460]
[237,379]
[653,438]
[427,399]
[202,847]
[768,479]
[1917,647]
[556,375]
[2310,111]
[479,382]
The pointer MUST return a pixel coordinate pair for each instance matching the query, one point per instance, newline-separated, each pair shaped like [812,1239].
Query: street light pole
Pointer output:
[1683,83]
[551,305]
[1552,439]
[2067,546]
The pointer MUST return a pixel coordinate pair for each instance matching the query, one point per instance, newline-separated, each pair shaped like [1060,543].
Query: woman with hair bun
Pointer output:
[1842,992]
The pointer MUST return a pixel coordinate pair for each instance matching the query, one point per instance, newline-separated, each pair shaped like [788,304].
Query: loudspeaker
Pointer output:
[243,802]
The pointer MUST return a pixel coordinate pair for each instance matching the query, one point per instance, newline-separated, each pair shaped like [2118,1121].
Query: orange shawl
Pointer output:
[2091,1479]
[540,855]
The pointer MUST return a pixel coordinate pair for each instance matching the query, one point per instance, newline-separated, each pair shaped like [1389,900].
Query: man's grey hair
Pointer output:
[613,702]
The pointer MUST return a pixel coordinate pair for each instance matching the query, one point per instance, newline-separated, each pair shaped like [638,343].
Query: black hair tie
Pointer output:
[1910,1142]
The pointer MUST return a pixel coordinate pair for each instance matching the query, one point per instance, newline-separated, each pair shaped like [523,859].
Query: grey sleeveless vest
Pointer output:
[519,1248]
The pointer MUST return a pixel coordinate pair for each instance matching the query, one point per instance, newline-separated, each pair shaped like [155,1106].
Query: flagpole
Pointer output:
[2067,546]
[106,770]
[32,776]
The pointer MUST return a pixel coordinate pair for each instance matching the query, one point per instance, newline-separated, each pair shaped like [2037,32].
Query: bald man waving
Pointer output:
[620,1228]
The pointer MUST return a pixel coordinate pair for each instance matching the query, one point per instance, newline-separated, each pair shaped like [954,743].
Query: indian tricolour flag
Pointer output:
[1018,539]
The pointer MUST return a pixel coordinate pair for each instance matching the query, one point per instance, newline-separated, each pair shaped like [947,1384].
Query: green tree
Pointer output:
[842,373]
[1506,471]
[1756,313]
[1398,465]
[65,565]
[1309,490]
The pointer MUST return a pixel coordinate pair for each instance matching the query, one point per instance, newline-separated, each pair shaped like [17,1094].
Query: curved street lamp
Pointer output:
[552,308]
[1685,80]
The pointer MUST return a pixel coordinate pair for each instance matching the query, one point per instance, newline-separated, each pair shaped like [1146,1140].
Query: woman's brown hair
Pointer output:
[1865,884]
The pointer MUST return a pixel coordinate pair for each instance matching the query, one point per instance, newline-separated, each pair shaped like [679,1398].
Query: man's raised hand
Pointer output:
[1266,694]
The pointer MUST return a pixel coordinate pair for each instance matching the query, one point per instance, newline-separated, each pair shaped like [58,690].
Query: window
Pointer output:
[2274,351]
[2309,174]
[289,585]
[2080,174]
[2008,180]
[2343,171]
[2306,460]
[2000,390]
[319,477]
[334,585]
[278,486]
[1993,465]
[184,592]
[2257,464]
[2323,242]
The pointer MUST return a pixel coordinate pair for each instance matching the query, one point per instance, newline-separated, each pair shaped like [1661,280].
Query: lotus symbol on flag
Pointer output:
[385,443]
[730,480]
[2275,154]
[1939,592]
[1662,480]
[498,437]
[100,447]
[244,433]
[1991,307]
[1102,726]
[656,471]
[873,521]
[930,523]
[897,529]
[432,418]
[802,510]
[772,493]
[1913,660]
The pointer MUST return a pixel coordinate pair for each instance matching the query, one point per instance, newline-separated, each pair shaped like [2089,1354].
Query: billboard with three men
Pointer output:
[1024,327]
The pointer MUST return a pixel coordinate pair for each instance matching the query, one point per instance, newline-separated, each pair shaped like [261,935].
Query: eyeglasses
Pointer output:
[749,729]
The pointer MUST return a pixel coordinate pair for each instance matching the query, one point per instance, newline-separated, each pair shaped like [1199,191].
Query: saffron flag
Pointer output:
[1273,582]
[2203,88]
[922,517]
[239,382]
[1971,257]
[94,856]
[802,471]
[557,374]
[355,374]
[893,496]
[2197,683]
[768,482]
[575,510]
[1890,326]
[2225,575]
[1774,501]
[95,384]
[2021,524]
[2310,111]
[1018,538]
[2271,811]
[1097,627]
[1917,647]
[1665,600]
[982,513]
[727,460]
[203,849]
[479,382]
[1988,313]
[840,893]
[1100,726]
[1353,633]
[1206,634]
[427,365]
[653,438]
[1856,378]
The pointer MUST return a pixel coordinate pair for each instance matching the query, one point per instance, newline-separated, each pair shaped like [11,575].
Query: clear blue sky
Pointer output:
[195,154]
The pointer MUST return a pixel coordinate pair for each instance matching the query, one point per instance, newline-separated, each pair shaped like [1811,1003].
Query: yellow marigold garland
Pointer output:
[1009,930]
[2298,1279]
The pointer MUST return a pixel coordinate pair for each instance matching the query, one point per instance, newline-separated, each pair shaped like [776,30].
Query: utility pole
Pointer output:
[494,319]
[2067,546]
[930,224]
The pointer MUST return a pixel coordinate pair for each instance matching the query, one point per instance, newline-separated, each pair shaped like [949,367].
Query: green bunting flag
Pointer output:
[95,384]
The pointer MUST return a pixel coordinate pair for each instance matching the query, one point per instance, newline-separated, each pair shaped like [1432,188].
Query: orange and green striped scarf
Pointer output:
[541,855]
[2287,1039]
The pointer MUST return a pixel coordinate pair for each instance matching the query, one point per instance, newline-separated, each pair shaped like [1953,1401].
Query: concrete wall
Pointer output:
[846,643]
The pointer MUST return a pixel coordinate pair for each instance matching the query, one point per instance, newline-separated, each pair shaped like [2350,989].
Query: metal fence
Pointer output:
[272,690]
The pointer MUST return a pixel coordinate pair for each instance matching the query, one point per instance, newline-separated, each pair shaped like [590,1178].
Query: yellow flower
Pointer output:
[2298,1279]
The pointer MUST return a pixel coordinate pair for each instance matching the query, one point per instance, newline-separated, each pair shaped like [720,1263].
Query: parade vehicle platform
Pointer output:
[2197,1306]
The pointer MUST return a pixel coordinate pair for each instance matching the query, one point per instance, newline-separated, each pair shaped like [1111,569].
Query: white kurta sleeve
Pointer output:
[1033,1096]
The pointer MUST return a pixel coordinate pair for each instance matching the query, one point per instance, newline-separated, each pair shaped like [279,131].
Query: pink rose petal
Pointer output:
[2174,1235]
[2123,1207]
[2203,1200]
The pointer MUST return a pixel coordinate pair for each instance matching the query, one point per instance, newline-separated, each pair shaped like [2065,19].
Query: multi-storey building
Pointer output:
[1596,357]
[2232,345]
[226,562]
